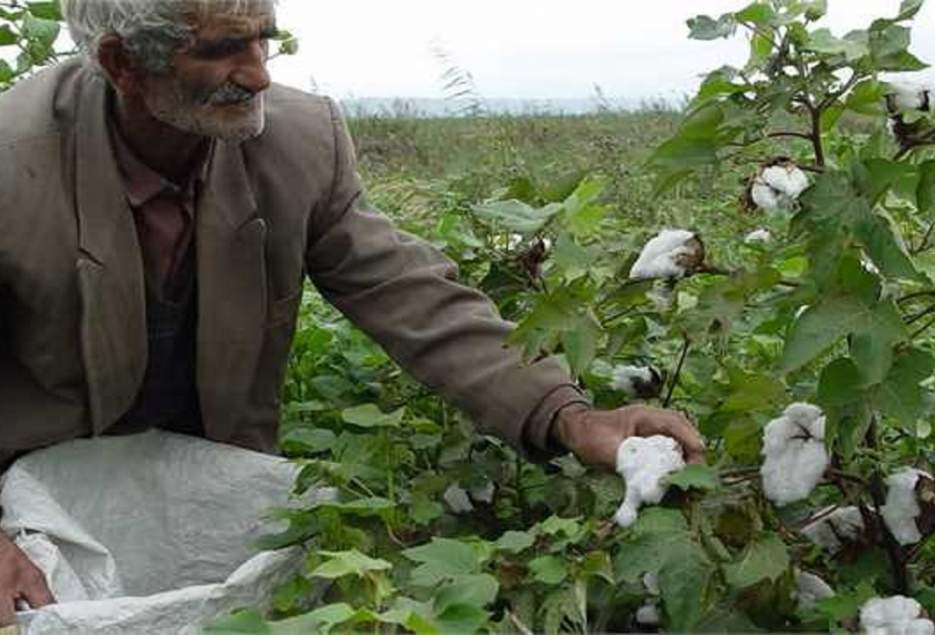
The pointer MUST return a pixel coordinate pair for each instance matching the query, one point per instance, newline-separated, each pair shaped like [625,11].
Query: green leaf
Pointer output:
[370,416]
[517,216]
[764,559]
[925,194]
[515,541]
[353,562]
[867,98]
[442,559]
[900,396]
[885,248]
[750,392]
[821,326]
[758,13]
[475,590]
[845,605]
[704,27]
[7,36]
[840,384]
[703,477]
[240,622]
[832,318]
[549,570]
[852,47]
[461,618]
[684,582]
[45,10]
[321,620]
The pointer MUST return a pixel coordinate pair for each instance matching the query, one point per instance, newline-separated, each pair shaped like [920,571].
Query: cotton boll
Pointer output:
[786,179]
[637,381]
[647,615]
[483,494]
[810,590]
[907,97]
[457,500]
[778,186]
[651,582]
[758,236]
[644,462]
[673,253]
[843,524]
[896,615]
[662,296]
[796,458]
[902,505]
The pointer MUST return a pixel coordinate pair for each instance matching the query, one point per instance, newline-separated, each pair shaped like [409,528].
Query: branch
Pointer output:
[893,550]
[678,371]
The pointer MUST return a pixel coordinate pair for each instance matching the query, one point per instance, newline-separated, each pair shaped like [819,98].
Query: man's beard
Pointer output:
[204,113]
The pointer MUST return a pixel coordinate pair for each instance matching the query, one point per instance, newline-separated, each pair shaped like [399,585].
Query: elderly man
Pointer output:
[160,206]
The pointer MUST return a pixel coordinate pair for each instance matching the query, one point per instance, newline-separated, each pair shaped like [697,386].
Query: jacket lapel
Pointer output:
[109,269]
[232,291]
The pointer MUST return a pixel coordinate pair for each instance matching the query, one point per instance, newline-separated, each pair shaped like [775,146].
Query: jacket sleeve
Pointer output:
[405,295]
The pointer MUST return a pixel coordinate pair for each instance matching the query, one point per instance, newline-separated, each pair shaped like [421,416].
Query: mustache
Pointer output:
[228,94]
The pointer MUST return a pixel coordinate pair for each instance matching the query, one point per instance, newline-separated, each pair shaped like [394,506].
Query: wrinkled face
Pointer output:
[216,84]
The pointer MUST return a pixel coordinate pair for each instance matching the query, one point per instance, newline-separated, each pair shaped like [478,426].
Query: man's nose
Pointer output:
[251,72]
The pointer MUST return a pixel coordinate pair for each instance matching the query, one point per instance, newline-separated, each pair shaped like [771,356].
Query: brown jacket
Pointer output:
[275,209]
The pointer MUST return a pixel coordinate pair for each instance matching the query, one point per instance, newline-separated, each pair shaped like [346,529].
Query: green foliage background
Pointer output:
[546,214]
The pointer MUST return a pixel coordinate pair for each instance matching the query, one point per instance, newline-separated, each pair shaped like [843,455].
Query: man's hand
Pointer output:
[594,435]
[20,579]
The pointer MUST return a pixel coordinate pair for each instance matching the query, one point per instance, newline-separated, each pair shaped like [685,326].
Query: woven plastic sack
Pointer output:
[150,533]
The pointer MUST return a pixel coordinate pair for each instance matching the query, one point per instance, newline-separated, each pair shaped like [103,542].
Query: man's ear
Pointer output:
[124,74]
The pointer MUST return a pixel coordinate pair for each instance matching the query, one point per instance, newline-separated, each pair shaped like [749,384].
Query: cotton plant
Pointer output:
[835,528]
[897,615]
[778,186]
[902,509]
[795,454]
[644,463]
[644,382]
[810,589]
[671,254]
[908,96]
[758,236]
[648,613]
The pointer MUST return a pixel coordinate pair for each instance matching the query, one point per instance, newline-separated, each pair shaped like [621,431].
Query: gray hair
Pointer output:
[151,30]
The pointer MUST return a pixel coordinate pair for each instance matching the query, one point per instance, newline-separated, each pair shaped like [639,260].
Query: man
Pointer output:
[160,206]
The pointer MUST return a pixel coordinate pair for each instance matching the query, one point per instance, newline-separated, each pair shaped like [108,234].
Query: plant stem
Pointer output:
[893,550]
[678,371]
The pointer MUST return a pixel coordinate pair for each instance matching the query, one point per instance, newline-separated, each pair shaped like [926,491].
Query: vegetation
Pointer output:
[439,529]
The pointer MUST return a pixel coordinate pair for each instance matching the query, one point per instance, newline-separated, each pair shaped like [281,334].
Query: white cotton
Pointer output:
[758,236]
[902,505]
[663,297]
[810,590]
[778,186]
[896,615]
[842,525]
[483,494]
[661,256]
[651,582]
[648,615]
[457,500]
[907,96]
[629,379]
[644,462]
[796,458]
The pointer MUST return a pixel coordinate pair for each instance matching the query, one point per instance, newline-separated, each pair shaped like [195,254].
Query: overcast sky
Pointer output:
[528,48]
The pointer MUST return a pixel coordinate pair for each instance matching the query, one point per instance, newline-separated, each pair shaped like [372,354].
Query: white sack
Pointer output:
[150,533]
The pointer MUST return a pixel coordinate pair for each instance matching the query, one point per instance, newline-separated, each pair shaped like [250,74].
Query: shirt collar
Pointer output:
[142,184]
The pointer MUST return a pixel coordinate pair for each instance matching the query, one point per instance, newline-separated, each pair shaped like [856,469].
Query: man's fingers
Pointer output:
[36,592]
[7,612]
[677,426]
